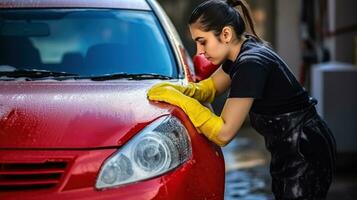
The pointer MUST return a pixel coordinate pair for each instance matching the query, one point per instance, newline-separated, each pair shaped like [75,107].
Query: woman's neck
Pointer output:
[235,49]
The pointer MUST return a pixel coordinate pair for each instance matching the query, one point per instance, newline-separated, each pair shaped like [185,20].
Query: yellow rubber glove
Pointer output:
[202,118]
[204,91]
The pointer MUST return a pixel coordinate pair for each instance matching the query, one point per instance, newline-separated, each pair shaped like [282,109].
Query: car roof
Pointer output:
[123,4]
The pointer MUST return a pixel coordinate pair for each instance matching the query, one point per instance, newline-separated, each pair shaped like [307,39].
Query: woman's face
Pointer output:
[209,45]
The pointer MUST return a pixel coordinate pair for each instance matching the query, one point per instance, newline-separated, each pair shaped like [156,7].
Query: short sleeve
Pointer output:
[248,80]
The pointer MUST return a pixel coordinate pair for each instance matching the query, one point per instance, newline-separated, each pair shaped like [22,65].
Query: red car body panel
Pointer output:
[53,115]
[63,122]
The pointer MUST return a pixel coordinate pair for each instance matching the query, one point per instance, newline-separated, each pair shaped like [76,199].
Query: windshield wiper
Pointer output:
[34,73]
[128,76]
[39,74]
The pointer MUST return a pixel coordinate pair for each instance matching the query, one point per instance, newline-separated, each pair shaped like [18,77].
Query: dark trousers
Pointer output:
[303,153]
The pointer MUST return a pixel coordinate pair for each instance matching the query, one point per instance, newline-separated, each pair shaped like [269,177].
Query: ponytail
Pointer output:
[246,13]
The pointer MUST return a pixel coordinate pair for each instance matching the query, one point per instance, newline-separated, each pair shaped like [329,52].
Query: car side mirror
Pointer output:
[203,67]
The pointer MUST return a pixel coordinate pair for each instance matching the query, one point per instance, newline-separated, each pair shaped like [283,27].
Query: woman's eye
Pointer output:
[202,42]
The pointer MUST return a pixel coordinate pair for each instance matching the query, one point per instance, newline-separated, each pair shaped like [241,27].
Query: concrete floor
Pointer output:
[247,171]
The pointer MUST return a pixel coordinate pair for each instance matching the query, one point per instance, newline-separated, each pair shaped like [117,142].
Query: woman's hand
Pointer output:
[201,117]
[203,91]
[165,92]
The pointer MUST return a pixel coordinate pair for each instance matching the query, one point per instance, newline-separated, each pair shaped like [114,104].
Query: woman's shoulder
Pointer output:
[254,51]
[253,54]
[250,64]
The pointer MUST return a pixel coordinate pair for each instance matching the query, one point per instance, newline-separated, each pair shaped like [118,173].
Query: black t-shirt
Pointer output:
[258,72]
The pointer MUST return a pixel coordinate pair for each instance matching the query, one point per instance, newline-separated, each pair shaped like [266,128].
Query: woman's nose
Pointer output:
[200,50]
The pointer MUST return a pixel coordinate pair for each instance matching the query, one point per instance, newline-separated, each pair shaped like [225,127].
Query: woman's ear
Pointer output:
[226,34]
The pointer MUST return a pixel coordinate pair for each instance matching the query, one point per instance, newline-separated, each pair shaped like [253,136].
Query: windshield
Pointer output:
[85,42]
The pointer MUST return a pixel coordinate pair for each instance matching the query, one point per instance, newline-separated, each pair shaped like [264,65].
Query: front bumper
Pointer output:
[193,180]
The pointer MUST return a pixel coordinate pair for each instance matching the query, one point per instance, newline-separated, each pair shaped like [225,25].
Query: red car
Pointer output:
[75,122]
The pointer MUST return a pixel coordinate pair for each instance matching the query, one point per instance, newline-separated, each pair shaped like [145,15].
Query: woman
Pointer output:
[261,85]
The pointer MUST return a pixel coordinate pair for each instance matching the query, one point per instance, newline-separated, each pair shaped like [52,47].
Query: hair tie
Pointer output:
[233,3]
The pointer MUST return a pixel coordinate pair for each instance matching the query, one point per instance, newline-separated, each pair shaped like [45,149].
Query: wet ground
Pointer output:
[247,167]
[247,171]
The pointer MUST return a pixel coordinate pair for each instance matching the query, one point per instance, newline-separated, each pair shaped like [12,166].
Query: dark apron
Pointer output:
[303,152]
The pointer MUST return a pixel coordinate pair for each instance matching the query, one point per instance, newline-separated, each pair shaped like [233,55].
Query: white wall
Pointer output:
[287,33]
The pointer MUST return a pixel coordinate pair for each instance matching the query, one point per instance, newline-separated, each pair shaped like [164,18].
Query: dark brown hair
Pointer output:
[214,15]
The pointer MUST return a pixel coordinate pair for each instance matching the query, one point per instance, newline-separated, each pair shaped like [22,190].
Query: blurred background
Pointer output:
[318,40]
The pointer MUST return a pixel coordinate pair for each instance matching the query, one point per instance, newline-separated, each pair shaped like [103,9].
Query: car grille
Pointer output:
[23,176]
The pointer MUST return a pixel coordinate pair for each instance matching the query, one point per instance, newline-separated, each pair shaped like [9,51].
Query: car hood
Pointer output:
[73,115]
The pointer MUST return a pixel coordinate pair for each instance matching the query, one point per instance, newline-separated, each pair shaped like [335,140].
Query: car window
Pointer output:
[85,41]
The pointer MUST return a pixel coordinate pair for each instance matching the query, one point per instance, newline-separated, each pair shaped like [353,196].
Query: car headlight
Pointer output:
[158,148]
